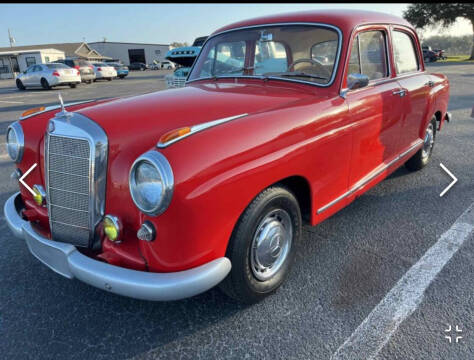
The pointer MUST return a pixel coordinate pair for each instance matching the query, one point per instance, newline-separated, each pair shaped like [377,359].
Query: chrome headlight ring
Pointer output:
[151,183]
[15,142]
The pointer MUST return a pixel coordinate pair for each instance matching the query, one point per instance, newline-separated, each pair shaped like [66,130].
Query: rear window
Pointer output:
[57,66]
[404,53]
[84,63]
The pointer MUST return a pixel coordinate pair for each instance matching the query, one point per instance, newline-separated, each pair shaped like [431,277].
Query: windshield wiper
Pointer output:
[300,74]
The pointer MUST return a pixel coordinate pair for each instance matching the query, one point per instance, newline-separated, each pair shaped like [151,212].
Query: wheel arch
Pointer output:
[301,188]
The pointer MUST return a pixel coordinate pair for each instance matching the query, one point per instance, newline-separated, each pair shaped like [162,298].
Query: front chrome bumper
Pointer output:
[67,261]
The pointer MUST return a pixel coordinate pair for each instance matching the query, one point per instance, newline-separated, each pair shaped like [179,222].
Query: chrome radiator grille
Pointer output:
[75,171]
[68,179]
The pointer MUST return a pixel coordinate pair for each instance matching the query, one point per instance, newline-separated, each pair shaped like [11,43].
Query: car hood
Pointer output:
[143,119]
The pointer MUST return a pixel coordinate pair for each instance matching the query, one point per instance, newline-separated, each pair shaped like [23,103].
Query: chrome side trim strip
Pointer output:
[55,107]
[200,127]
[369,177]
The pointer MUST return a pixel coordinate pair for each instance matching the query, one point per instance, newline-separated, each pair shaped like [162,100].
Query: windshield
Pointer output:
[57,66]
[296,52]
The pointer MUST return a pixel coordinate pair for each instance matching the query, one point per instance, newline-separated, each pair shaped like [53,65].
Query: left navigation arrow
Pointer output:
[25,175]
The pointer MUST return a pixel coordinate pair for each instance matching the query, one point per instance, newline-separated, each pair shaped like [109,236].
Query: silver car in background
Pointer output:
[85,68]
[47,76]
[104,71]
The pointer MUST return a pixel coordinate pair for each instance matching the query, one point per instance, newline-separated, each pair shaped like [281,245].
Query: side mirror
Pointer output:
[357,81]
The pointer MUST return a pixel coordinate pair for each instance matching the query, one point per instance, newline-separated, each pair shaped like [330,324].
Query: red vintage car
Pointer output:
[284,120]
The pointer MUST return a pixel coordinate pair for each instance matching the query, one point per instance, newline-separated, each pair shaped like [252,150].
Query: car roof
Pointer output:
[344,19]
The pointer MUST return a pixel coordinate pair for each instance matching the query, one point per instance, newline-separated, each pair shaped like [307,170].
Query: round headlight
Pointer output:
[15,141]
[151,183]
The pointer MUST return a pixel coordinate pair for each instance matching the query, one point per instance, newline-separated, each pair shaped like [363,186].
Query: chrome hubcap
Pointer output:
[271,244]
[428,142]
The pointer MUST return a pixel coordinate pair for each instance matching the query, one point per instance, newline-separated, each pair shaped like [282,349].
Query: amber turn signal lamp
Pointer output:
[112,228]
[32,111]
[174,134]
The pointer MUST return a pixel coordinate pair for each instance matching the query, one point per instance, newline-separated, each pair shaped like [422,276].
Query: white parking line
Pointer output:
[374,332]
[12,102]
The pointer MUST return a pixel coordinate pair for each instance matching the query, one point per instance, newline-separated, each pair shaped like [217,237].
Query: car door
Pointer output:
[36,75]
[415,84]
[27,78]
[375,109]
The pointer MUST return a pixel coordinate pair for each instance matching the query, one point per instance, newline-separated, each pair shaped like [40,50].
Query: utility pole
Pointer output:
[11,38]
[12,41]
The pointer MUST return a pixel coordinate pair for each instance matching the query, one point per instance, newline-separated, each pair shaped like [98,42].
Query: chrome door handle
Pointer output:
[401,93]
[430,83]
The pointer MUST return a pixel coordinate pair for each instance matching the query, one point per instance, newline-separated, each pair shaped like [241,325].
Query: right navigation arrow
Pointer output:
[455,179]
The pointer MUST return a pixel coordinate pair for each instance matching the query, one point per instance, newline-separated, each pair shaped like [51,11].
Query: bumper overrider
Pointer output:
[67,261]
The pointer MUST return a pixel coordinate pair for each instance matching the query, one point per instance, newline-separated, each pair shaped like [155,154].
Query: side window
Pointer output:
[270,56]
[404,53]
[354,60]
[369,55]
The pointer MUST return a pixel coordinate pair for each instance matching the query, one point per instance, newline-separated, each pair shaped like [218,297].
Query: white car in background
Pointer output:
[104,71]
[167,65]
[47,76]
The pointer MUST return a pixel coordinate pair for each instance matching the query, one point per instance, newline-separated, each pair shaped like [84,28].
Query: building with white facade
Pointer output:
[131,52]
[16,61]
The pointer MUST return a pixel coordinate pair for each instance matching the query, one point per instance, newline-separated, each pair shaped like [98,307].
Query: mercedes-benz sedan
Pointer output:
[47,76]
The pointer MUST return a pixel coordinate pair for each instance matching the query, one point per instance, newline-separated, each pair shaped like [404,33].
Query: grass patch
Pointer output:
[457,58]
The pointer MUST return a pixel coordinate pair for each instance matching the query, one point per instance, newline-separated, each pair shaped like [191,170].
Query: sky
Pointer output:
[32,24]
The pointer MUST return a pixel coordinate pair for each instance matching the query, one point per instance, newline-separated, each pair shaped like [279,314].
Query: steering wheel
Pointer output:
[313,62]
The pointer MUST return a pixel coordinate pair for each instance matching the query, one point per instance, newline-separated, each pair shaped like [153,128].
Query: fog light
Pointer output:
[146,232]
[112,228]
[40,194]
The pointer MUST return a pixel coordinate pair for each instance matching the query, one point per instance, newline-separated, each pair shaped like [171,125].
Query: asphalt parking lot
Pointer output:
[344,268]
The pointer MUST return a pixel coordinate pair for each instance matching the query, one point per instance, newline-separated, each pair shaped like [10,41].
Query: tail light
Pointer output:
[55,73]
[99,69]
[76,67]
[78,73]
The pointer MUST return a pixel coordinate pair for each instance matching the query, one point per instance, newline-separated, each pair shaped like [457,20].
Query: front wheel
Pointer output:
[262,245]
[422,156]
[20,85]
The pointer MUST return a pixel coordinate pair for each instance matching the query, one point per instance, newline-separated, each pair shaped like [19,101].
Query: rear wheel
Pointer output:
[72,86]
[422,156]
[109,79]
[262,245]
[45,84]
[20,85]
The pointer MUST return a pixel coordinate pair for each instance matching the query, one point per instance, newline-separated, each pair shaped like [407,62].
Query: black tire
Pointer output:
[20,85]
[45,84]
[241,283]
[95,80]
[72,86]
[109,79]
[423,156]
